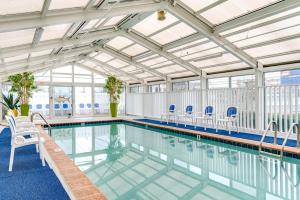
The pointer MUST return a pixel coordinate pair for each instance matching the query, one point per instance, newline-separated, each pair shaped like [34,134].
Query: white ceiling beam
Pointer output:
[268,11]
[207,31]
[131,62]
[51,44]
[115,70]
[157,49]
[45,7]
[91,69]
[20,22]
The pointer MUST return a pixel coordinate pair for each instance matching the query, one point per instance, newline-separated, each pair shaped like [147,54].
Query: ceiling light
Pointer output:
[161,15]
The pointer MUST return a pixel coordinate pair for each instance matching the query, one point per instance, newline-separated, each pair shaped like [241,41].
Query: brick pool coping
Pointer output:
[75,182]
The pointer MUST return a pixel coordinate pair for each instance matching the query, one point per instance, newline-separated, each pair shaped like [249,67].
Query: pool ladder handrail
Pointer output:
[274,126]
[43,118]
[288,135]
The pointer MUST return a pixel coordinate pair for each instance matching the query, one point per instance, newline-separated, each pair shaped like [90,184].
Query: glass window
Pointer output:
[42,76]
[180,86]
[247,81]
[40,100]
[195,85]
[83,100]
[136,89]
[62,74]
[218,82]
[289,77]
[157,88]
[99,79]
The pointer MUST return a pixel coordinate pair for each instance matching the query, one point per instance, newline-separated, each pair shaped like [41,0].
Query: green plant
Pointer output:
[23,84]
[114,88]
[9,102]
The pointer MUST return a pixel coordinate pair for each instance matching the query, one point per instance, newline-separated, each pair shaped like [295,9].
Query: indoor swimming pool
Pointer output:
[128,161]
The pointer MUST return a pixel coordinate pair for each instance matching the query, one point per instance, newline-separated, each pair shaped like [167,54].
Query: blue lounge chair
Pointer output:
[231,117]
[169,114]
[187,115]
[207,116]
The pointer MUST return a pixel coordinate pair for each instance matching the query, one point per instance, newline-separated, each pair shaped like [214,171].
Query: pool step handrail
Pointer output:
[289,177]
[288,135]
[265,168]
[43,118]
[274,127]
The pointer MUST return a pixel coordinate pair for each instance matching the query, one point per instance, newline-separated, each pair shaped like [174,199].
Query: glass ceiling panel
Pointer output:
[114,20]
[18,57]
[280,59]
[176,32]
[15,38]
[268,37]
[59,4]
[173,68]
[117,63]
[286,46]
[233,8]
[41,53]
[134,50]
[223,59]
[203,53]
[162,64]
[151,24]
[144,75]
[89,64]
[20,6]
[119,42]
[187,44]
[181,74]
[198,5]
[249,25]
[90,24]
[226,68]
[54,32]
[129,68]
[195,49]
[104,57]
[154,61]
[146,58]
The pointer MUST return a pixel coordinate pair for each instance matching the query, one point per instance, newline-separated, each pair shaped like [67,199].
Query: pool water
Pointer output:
[134,162]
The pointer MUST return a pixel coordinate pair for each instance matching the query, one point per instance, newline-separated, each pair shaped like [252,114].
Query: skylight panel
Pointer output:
[285,46]
[280,59]
[129,68]
[233,8]
[59,4]
[147,58]
[89,64]
[181,74]
[151,24]
[154,61]
[19,6]
[144,75]
[197,5]
[114,20]
[41,53]
[162,64]
[15,38]
[173,68]
[90,24]
[117,63]
[226,68]
[203,53]
[187,44]
[176,32]
[18,57]
[134,50]
[104,57]
[195,49]
[54,32]
[119,42]
[218,60]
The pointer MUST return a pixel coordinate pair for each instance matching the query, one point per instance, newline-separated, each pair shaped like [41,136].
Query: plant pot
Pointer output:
[15,111]
[24,109]
[114,109]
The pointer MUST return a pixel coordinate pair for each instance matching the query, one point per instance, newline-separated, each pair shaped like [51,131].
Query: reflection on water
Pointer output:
[128,162]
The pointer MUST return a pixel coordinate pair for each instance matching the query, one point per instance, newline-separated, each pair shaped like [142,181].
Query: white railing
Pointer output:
[278,103]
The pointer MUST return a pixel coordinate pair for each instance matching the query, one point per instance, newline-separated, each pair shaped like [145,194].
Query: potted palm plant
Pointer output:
[23,85]
[10,103]
[114,88]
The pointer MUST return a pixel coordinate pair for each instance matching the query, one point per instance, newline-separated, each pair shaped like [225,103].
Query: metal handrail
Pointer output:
[288,135]
[274,126]
[262,164]
[289,177]
[43,118]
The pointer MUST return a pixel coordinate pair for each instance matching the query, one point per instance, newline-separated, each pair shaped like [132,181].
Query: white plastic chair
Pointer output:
[188,114]
[231,118]
[18,139]
[169,114]
[207,116]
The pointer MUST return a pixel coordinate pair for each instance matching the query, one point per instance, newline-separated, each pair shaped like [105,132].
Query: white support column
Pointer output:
[1,108]
[168,91]
[259,98]
[51,97]
[145,90]
[73,93]
[93,94]
[203,99]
